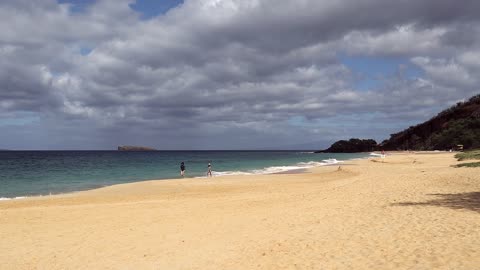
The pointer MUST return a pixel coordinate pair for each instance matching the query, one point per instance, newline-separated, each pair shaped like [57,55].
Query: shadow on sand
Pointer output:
[468,201]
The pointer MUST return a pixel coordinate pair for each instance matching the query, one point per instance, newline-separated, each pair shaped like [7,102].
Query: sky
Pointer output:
[229,74]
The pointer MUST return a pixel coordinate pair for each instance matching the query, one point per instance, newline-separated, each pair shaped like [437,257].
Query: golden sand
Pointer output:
[413,211]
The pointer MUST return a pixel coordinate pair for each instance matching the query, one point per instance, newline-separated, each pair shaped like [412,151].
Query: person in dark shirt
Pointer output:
[209,171]
[182,169]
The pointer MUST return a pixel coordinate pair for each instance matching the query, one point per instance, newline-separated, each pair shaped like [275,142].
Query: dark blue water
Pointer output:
[27,173]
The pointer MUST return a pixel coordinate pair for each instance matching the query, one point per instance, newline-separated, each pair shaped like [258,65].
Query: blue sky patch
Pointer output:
[20,119]
[147,8]
[85,51]
[77,6]
[297,121]
[370,71]
[152,8]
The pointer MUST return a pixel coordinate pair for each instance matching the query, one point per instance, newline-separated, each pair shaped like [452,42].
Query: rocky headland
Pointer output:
[351,146]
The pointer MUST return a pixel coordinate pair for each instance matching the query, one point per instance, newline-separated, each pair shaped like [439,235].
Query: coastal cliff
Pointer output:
[458,125]
[135,148]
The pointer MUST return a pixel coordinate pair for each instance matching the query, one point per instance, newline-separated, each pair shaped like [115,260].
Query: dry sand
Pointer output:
[412,211]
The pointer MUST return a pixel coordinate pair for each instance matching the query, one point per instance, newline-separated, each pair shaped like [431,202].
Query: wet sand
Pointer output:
[412,211]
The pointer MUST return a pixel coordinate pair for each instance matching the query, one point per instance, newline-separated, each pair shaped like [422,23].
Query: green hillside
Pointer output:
[458,125]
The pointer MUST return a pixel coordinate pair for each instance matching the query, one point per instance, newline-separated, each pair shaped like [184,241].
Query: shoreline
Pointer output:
[300,172]
[193,178]
[295,169]
[240,173]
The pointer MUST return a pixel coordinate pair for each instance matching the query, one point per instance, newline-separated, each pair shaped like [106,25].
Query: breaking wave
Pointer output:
[279,169]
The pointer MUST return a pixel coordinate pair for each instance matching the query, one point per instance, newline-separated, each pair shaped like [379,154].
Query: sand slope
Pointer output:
[413,211]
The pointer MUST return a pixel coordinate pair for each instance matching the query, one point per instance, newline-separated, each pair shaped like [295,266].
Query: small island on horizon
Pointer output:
[135,148]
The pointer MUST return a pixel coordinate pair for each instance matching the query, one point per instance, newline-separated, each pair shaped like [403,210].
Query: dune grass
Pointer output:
[472,154]
[468,165]
[468,155]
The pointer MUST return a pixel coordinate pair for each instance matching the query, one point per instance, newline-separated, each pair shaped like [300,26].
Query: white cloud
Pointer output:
[403,40]
[241,68]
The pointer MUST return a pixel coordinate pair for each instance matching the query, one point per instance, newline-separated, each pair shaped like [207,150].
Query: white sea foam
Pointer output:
[278,169]
[215,173]
[375,154]
[7,199]
[310,164]
[227,173]
[331,161]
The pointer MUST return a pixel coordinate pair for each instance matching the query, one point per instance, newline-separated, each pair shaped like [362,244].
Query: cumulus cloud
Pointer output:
[228,73]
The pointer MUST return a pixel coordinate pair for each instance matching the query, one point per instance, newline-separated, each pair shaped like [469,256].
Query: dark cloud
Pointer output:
[228,73]
[26,89]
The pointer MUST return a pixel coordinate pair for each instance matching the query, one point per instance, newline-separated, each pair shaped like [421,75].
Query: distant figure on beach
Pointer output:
[182,169]
[209,171]
[383,155]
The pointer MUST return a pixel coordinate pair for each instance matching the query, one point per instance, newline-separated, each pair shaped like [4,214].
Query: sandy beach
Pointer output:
[413,211]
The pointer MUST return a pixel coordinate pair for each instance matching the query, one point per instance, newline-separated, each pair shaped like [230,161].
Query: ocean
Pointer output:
[30,173]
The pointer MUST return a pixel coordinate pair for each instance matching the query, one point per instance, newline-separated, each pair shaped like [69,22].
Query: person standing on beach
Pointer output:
[182,169]
[209,171]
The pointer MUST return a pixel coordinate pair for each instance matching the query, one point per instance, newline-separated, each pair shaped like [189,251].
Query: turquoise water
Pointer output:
[27,173]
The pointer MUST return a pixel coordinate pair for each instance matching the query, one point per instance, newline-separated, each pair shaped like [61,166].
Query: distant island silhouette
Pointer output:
[135,148]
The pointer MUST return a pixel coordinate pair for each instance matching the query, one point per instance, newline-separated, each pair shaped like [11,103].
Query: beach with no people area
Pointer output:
[408,211]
